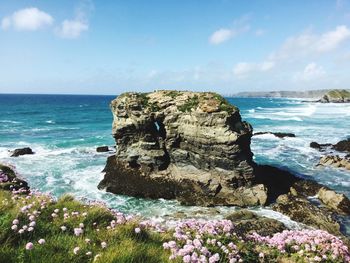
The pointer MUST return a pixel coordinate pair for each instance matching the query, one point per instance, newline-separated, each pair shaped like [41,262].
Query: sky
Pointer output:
[227,46]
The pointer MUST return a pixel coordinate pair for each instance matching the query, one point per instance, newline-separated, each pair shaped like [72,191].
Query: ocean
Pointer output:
[64,131]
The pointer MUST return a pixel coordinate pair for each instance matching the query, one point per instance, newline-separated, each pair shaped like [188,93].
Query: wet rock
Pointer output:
[335,161]
[302,210]
[247,222]
[190,146]
[21,151]
[277,134]
[336,201]
[101,149]
[318,146]
[342,146]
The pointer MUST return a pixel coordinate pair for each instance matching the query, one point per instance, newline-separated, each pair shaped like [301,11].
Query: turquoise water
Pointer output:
[64,132]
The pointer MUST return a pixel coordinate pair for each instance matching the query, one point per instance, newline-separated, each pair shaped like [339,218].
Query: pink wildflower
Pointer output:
[29,246]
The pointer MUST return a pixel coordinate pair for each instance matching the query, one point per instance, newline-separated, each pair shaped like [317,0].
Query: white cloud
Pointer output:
[242,69]
[332,39]
[72,28]
[312,71]
[308,44]
[29,19]
[223,34]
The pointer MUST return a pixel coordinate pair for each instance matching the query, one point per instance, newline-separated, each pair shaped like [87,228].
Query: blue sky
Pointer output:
[108,47]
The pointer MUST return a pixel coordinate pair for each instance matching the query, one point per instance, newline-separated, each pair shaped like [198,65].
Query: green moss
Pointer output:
[190,104]
[224,104]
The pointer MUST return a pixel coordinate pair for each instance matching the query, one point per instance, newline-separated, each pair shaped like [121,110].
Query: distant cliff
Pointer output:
[309,94]
[336,96]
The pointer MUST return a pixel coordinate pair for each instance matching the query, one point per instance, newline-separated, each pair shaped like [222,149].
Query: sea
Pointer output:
[64,131]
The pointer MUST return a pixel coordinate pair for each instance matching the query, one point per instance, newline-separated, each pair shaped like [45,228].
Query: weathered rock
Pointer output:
[247,222]
[185,145]
[21,151]
[342,146]
[9,180]
[335,161]
[276,180]
[336,201]
[101,149]
[277,134]
[302,210]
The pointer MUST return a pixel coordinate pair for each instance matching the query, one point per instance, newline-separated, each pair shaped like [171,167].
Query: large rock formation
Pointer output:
[185,145]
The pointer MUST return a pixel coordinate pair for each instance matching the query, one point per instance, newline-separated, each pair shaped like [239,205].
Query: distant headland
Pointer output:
[323,95]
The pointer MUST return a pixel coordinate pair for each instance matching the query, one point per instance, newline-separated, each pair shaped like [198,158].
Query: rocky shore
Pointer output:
[194,147]
[333,159]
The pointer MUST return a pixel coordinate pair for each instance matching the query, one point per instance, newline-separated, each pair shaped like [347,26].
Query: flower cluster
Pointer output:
[3,177]
[311,245]
[204,241]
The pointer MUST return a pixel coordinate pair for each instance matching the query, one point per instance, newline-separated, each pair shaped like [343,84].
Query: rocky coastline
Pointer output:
[194,147]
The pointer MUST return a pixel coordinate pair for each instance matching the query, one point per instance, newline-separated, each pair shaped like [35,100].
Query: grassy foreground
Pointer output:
[36,228]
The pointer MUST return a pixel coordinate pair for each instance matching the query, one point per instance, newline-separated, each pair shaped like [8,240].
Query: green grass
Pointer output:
[123,244]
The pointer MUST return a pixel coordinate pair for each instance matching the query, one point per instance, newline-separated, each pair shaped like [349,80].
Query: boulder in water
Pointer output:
[101,149]
[22,151]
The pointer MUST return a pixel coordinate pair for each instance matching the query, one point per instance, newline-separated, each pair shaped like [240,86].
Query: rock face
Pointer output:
[22,151]
[336,96]
[185,145]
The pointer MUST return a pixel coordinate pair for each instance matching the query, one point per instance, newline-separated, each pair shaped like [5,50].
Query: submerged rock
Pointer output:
[190,146]
[277,134]
[22,151]
[247,222]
